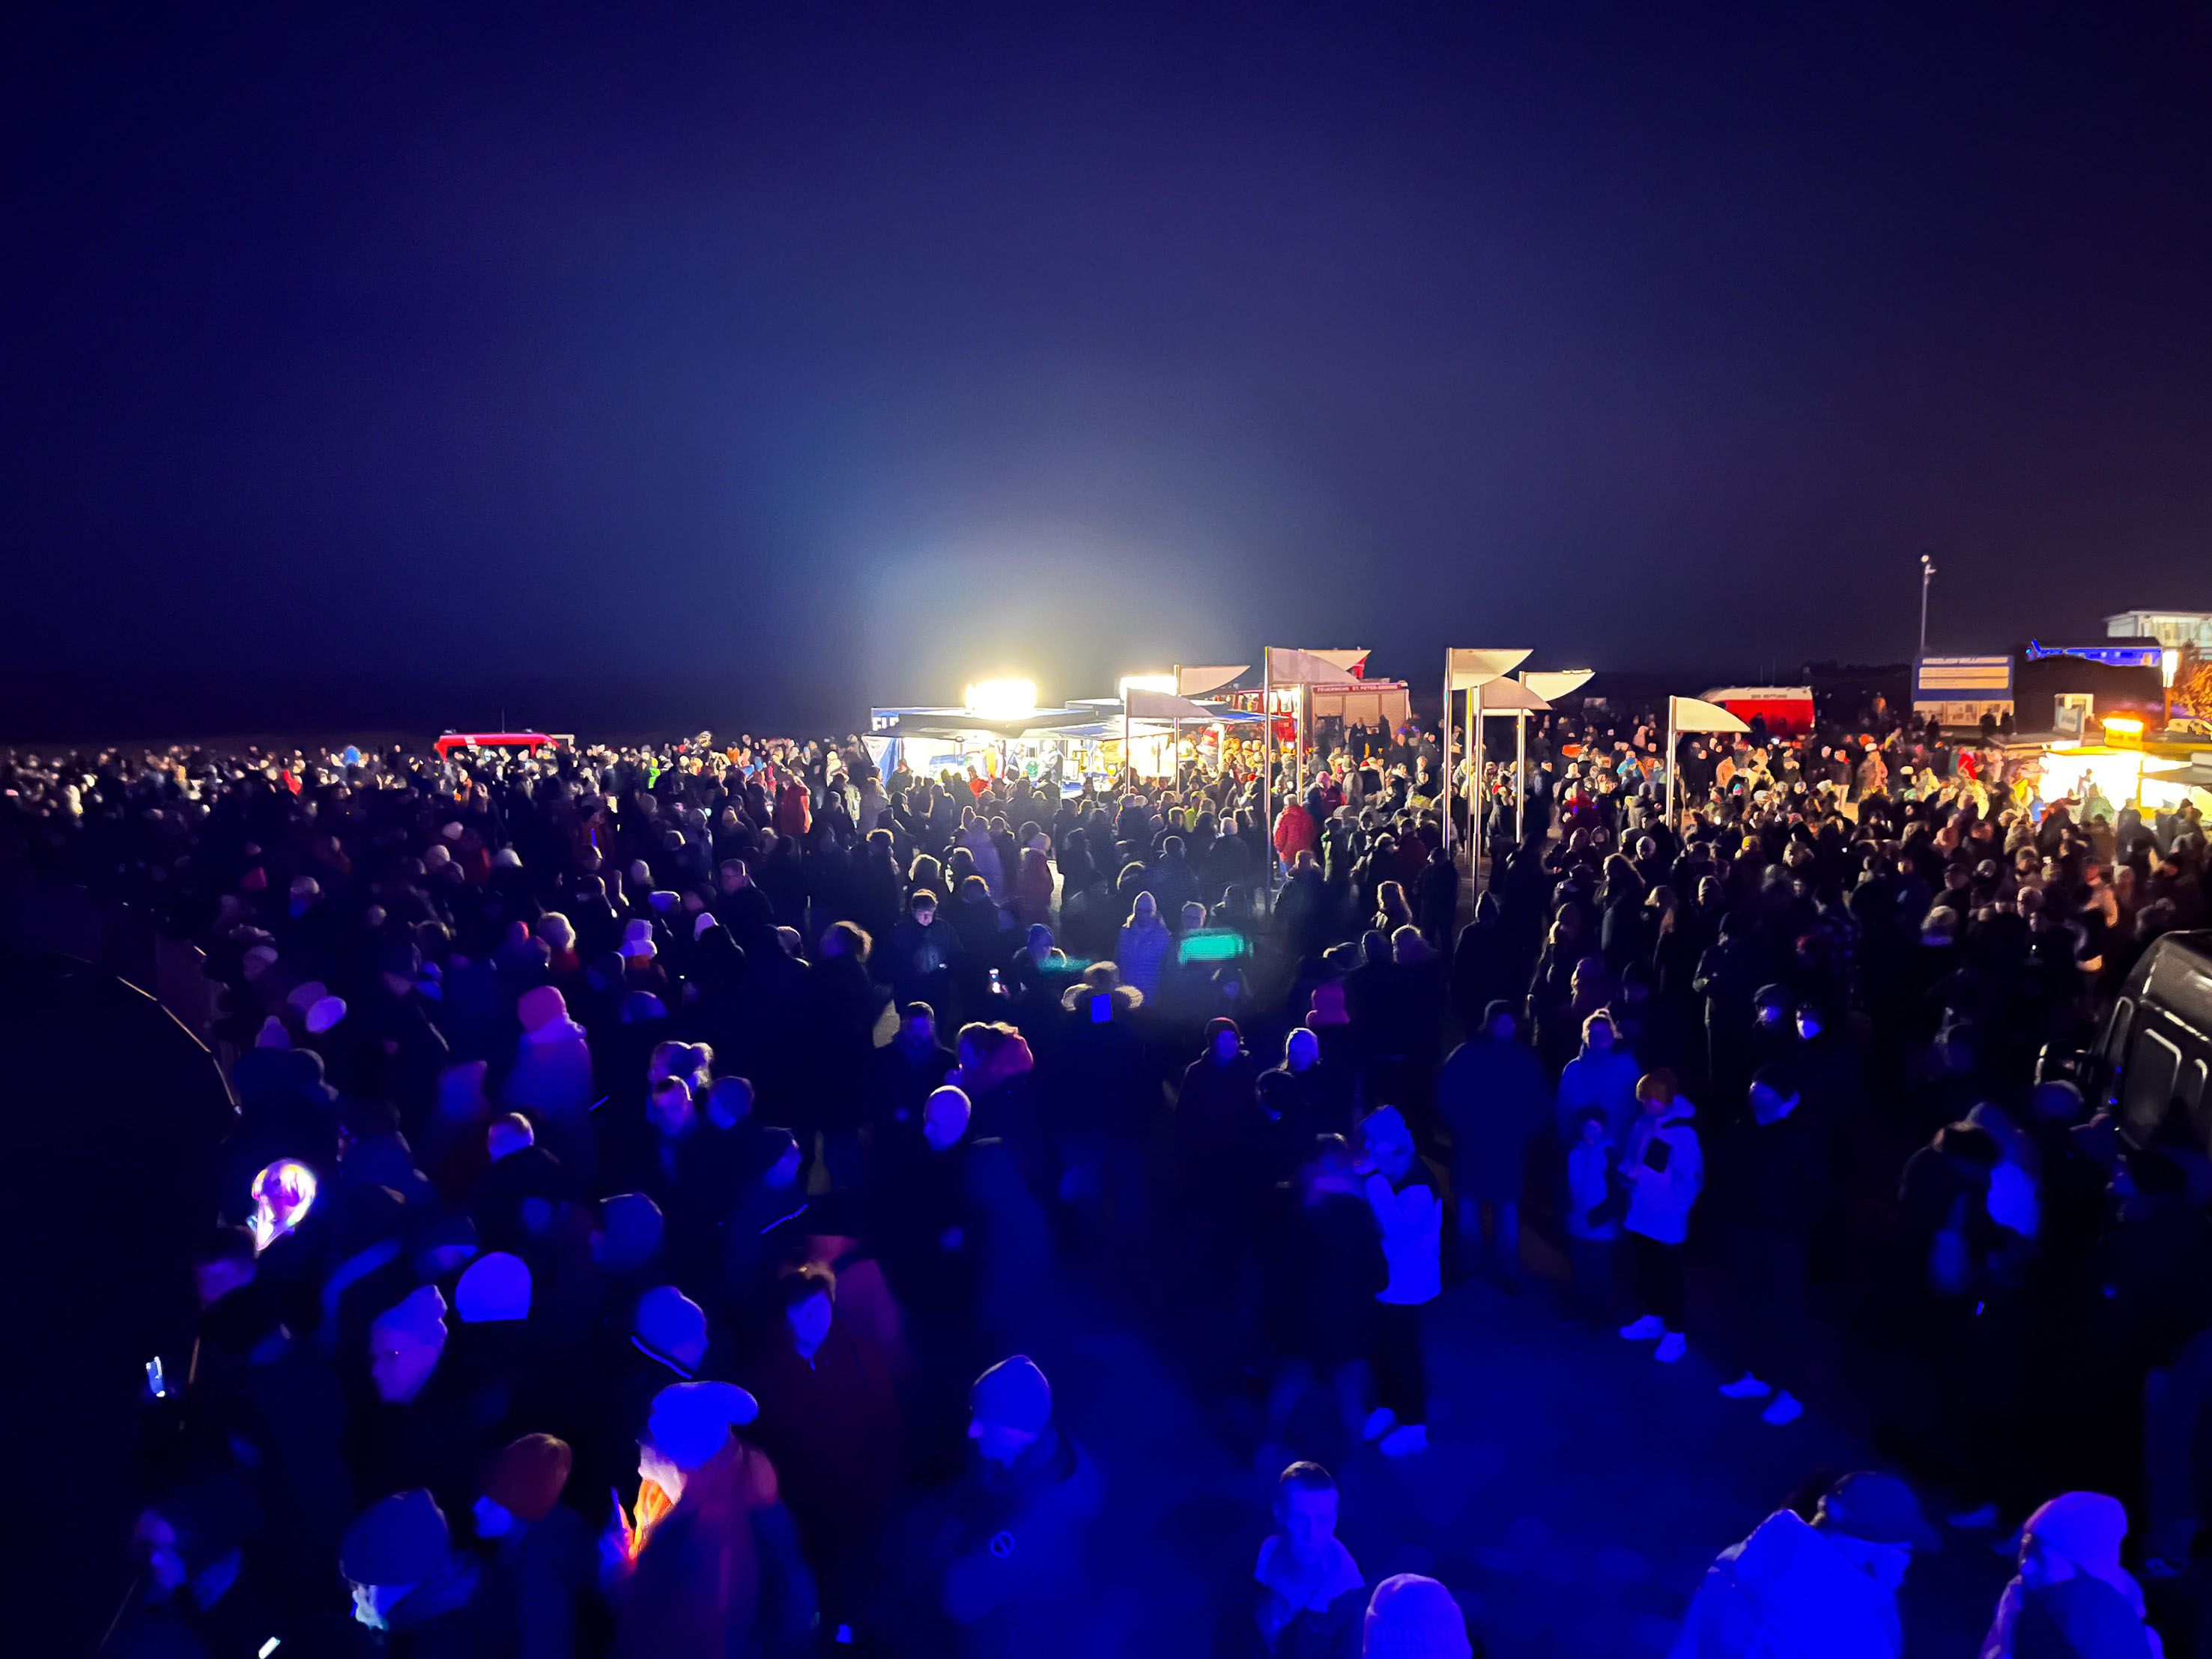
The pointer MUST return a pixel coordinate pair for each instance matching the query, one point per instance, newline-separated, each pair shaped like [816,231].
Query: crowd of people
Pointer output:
[656,1170]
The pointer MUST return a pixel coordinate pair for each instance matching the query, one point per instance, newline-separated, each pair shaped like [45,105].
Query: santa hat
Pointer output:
[495,1287]
[690,1422]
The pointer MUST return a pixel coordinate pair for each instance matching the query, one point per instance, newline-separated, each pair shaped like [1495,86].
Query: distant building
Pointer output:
[2174,629]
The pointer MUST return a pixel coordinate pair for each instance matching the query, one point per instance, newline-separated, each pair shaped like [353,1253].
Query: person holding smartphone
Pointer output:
[1665,1169]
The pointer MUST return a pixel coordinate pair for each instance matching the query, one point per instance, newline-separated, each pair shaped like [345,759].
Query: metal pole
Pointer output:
[1174,740]
[1475,755]
[1927,575]
[1670,765]
[1444,746]
[1519,773]
[1267,761]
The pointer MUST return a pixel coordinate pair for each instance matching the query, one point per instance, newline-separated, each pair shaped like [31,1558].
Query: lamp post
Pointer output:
[1927,575]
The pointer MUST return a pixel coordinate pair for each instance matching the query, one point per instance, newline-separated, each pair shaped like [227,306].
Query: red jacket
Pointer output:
[1294,832]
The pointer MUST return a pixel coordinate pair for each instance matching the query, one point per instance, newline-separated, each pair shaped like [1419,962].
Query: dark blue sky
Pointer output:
[864,350]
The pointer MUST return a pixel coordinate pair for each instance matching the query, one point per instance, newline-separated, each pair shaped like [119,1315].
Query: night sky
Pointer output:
[364,363]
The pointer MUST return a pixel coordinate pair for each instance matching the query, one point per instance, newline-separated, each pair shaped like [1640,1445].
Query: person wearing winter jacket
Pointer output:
[1141,954]
[1665,1169]
[552,1081]
[1007,1543]
[1312,1597]
[1820,1589]
[1402,1194]
[1597,1197]
[1604,1075]
[2071,1596]
[1491,1095]
[1771,1193]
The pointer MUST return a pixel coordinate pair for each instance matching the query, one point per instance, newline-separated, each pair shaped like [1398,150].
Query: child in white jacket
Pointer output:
[1412,1218]
[1665,1169]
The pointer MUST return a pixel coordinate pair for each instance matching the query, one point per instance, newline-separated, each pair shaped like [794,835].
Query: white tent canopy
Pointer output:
[1552,683]
[1503,696]
[1164,706]
[1288,666]
[1691,715]
[1466,667]
[1197,682]
[1696,714]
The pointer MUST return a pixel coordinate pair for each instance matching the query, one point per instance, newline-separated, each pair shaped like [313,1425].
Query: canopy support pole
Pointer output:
[1672,765]
[1474,755]
[1521,775]
[1444,794]
[1268,764]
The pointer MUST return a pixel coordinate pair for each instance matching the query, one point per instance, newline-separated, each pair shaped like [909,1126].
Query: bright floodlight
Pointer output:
[1002,700]
[1130,683]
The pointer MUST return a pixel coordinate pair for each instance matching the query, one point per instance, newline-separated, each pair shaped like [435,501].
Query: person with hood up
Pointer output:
[1403,1196]
[1822,1589]
[1665,1169]
[1491,1095]
[2071,1598]
[1141,953]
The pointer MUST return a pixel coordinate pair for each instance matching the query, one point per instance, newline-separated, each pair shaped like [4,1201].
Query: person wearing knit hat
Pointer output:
[671,1328]
[540,1574]
[637,939]
[2071,1596]
[552,1080]
[405,1342]
[1008,1408]
[494,1289]
[399,1559]
[691,1422]
[629,1231]
[1410,1617]
[541,1005]
[523,1481]
[1012,1543]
